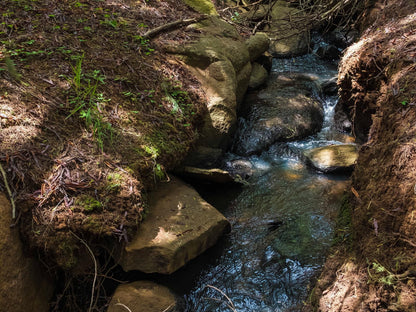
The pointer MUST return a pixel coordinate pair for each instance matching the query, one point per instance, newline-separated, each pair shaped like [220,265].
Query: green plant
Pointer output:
[88,203]
[379,274]
[114,182]
[343,233]
[11,68]
[144,44]
[109,20]
[235,16]
[158,170]
[181,103]
[89,103]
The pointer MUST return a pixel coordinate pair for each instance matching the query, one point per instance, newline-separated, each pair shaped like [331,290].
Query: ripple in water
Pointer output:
[282,227]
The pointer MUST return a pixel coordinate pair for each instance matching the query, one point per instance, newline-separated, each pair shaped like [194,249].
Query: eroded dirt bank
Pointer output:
[373,266]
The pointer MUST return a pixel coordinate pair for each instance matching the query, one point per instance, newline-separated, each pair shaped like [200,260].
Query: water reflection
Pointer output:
[282,227]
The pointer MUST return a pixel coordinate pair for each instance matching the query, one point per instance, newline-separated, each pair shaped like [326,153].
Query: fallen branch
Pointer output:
[172,26]
[3,173]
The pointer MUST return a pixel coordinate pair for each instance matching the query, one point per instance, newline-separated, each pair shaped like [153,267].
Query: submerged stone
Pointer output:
[333,158]
[142,296]
[179,227]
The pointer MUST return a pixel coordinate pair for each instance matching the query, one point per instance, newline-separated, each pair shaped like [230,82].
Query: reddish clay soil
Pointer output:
[373,267]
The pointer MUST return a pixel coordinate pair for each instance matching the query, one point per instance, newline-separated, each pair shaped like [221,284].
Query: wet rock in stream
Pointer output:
[286,110]
[333,158]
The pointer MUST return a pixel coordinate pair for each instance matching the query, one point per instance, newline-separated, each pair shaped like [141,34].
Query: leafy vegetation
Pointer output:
[88,102]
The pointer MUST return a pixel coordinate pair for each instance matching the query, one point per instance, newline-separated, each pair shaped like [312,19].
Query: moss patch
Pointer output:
[202,6]
[88,204]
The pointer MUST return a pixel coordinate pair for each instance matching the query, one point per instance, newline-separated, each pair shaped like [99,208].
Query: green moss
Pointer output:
[65,256]
[94,226]
[202,6]
[114,182]
[88,203]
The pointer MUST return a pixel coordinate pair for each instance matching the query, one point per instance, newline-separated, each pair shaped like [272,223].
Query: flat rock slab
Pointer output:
[214,175]
[142,296]
[179,227]
[333,158]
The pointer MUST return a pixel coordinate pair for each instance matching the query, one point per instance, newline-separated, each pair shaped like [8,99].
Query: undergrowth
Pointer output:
[89,103]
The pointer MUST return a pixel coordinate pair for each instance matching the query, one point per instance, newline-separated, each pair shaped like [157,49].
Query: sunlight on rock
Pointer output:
[333,157]
[163,236]
[325,157]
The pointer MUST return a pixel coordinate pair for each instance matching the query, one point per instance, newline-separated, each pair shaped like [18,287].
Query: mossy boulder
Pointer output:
[257,45]
[202,6]
[290,38]
[23,284]
[221,60]
[258,76]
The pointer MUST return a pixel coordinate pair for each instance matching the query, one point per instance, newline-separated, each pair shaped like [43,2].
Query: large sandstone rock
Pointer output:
[23,285]
[142,296]
[333,158]
[257,45]
[284,111]
[290,38]
[180,226]
[221,60]
[258,76]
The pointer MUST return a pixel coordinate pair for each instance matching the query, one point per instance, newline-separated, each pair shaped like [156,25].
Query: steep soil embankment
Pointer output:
[374,267]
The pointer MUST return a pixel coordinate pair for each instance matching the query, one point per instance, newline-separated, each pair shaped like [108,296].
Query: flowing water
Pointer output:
[282,225]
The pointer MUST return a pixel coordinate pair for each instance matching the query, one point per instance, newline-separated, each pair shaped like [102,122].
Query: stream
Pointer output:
[282,223]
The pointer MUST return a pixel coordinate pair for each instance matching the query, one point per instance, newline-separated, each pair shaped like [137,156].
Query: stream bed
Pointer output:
[282,224]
